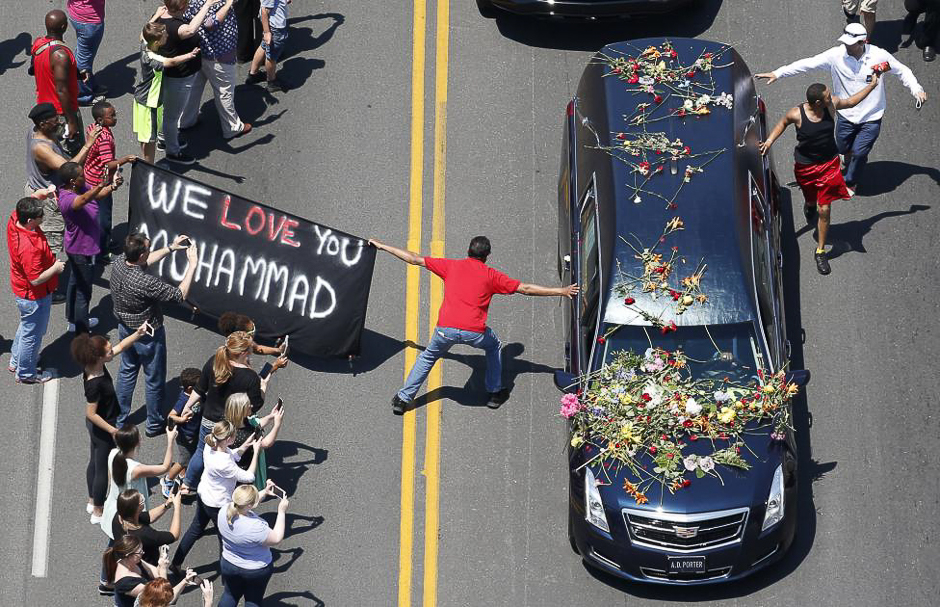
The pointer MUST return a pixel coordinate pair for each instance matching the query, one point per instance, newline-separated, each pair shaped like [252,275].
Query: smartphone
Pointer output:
[170,423]
[259,432]
[176,489]
[278,492]
[286,345]
[266,370]
[186,242]
[280,403]
[149,330]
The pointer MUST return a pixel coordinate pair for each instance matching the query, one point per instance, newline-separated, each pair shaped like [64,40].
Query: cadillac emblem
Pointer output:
[685,532]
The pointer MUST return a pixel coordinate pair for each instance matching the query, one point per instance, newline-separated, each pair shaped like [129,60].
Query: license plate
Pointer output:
[687,564]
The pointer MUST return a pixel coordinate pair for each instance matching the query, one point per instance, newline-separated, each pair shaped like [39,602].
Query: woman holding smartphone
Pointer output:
[227,372]
[132,519]
[101,410]
[238,412]
[246,544]
[221,476]
[129,573]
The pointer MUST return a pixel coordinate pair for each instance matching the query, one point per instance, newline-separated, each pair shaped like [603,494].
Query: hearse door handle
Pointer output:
[567,260]
[788,348]
[747,127]
[780,259]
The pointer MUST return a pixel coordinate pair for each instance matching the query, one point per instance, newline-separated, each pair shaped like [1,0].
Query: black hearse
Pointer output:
[709,532]
[585,9]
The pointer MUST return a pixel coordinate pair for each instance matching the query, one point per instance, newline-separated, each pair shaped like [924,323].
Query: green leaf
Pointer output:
[699,473]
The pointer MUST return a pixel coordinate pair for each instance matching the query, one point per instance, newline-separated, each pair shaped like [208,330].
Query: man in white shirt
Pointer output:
[851,65]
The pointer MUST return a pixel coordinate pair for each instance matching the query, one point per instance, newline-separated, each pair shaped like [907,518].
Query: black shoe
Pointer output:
[181,158]
[822,263]
[930,53]
[105,590]
[497,398]
[255,78]
[398,405]
[809,212]
[155,433]
[194,125]
[58,298]
[161,144]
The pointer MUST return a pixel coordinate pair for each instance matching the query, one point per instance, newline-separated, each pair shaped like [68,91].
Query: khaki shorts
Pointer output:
[53,224]
[853,7]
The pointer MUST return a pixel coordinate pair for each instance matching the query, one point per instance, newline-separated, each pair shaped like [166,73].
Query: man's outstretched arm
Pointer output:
[406,256]
[537,290]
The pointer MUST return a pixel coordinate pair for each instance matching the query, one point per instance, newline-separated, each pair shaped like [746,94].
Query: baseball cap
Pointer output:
[42,111]
[853,32]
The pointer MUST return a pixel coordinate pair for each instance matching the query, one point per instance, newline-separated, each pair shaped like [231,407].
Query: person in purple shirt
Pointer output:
[79,208]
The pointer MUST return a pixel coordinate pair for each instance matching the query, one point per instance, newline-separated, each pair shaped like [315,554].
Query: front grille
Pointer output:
[711,574]
[685,532]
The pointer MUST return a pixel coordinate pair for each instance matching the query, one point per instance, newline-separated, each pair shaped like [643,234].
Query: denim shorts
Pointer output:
[273,51]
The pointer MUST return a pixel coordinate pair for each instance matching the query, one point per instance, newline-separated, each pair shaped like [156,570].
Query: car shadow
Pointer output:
[473,393]
[848,237]
[578,35]
[809,470]
[11,48]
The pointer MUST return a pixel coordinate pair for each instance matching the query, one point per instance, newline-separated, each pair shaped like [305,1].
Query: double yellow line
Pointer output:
[413,303]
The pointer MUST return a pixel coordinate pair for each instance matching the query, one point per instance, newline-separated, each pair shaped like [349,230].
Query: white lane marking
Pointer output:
[43,515]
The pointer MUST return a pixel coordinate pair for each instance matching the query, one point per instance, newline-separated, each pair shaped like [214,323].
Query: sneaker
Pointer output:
[167,486]
[11,369]
[58,298]
[822,263]
[161,145]
[92,323]
[275,86]
[105,590]
[255,78]
[497,398]
[246,128]
[809,212]
[41,378]
[104,259]
[95,519]
[398,405]
[180,158]
[89,508]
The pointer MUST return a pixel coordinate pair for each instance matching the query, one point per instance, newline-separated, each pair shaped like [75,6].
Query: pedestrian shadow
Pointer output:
[287,472]
[10,48]
[294,524]
[280,599]
[888,34]
[585,35]
[848,237]
[473,393]
[119,76]
[294,70]
[884,176]
[6,345]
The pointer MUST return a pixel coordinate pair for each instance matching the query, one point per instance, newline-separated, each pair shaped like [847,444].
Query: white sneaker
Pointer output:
[92,323]
[94,520]
[89,508]
[71,328]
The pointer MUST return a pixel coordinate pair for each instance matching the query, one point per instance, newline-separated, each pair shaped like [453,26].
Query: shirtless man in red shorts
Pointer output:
[817,167]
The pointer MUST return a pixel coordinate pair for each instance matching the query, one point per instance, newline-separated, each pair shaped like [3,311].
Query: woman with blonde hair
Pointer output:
[238,412]
[221,476]
[227,372]
[246,545]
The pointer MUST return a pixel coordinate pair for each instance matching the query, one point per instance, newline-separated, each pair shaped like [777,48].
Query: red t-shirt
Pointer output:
[30,256]
[469,285]
[45,82]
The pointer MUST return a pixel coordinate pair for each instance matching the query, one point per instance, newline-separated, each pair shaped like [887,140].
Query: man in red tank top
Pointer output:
[57,76]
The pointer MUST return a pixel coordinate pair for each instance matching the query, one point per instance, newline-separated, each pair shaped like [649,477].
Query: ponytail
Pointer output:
[122,548]
[127,438]
[243,499]
[220,431]
[236,344]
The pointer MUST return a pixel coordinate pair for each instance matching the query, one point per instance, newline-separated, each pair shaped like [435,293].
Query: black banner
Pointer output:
[291,276]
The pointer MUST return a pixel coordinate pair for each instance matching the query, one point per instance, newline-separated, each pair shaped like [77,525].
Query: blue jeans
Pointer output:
[443,339]
[34,319]
[195,466]
[78,293]
[105,211]
[197,528]
[249,584]
[149,353]
[856,140]
[89,39]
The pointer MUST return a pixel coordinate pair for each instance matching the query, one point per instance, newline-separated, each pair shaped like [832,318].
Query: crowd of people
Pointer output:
[215,435]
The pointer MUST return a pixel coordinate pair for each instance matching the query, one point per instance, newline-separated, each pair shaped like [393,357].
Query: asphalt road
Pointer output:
[489,495]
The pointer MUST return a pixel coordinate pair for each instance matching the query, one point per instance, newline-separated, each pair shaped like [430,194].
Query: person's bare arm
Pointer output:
[407,256]
[179,59]
[61,62]
[189,29]
[540,291]
[148,470]
[266,24]
[99,190]
[114,164]
[92,415]
[276,535]
[791,117]
[839,103]
[45,155]
[57,267]
[271,437]
[126,343]
[192,258]
[222,13]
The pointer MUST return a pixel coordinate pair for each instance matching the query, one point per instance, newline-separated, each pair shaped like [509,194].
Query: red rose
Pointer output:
[659,169]
[664,437]
[621,136]
[659,151]
[707,55]
[653,449]
[601,340]
[670,455]
[658,98]
[675,249]
[675,294]
[673,205]
[687,423]
[616,70]
[629,301]
[686,149]
[737,449]
[640,405]
[686,482]
[633,79]
[690,73]
[673,54]
[693,437]
[646,397]
[723,436]
[682,112]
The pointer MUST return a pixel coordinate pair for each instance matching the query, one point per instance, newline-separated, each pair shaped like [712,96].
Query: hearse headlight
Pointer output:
[774,512]
[593,506]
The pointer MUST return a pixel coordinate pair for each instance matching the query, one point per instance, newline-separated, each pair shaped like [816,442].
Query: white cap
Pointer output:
[853,32]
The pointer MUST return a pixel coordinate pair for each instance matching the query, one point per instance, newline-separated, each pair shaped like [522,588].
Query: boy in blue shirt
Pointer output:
[273,17]
[188,426]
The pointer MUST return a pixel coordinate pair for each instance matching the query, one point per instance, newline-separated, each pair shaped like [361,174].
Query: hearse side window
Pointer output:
[589,271]
[760,246]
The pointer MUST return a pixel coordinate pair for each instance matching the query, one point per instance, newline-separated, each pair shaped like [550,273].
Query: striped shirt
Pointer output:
[136,295]
[100,154]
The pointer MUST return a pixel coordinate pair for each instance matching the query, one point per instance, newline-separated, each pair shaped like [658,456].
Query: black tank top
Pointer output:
[815,141]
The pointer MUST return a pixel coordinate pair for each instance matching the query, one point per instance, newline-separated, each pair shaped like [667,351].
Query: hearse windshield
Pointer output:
[713,352]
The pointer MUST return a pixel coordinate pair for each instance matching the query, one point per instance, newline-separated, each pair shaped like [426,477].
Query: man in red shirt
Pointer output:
[469,285]
[34,273]
[54,68]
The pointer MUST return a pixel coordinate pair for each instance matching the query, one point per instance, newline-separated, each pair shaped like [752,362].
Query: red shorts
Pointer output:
[821,183]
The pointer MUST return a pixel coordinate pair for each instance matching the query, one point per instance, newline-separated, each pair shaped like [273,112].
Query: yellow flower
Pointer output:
[626,398]
[726,415]
[792,389]
[769,389]
[627,433]
[576,441]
